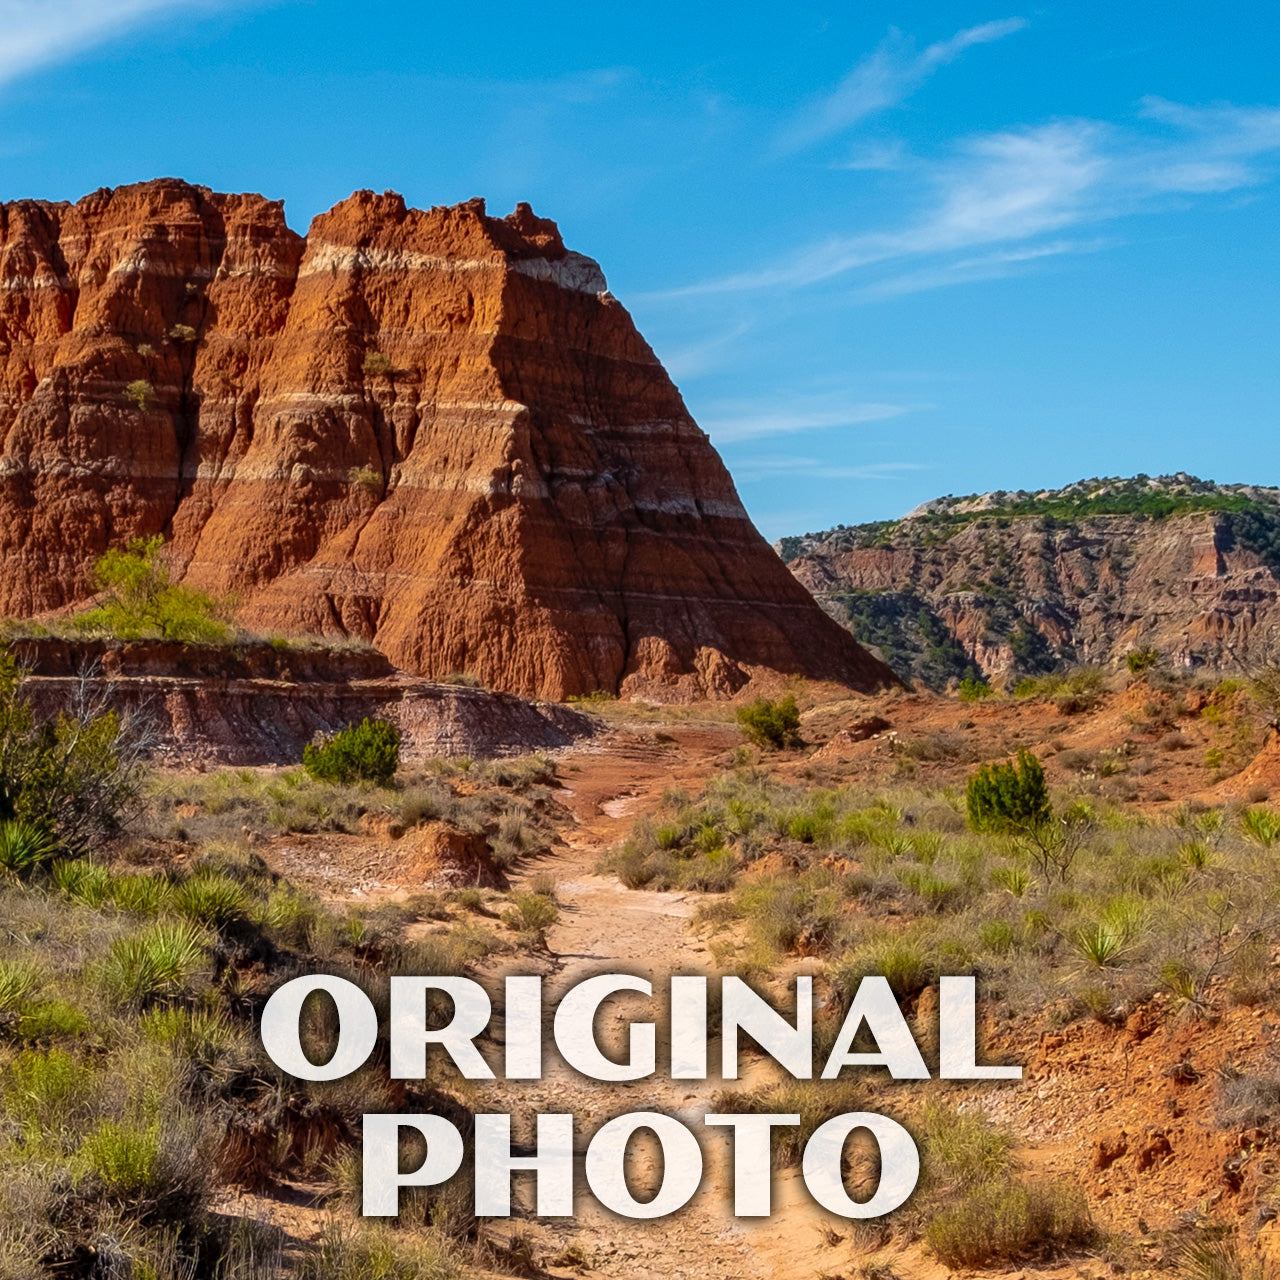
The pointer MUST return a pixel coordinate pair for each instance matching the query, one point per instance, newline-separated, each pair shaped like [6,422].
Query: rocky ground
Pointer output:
[1125,1110]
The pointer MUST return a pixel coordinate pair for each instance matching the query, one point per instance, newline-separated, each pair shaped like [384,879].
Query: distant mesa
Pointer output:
[1013,584]
[434,430]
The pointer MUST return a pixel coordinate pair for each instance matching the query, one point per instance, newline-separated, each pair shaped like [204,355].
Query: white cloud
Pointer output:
[698,358]
[996,265]
[1014,189]
[36,33]
[729,423]
[757,470]
[883,79]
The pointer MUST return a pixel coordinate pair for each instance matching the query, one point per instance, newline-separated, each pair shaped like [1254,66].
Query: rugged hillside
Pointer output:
[1008,584]
[435,430]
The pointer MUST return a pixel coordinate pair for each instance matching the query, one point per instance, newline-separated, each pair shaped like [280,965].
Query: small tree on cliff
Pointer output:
[139,600]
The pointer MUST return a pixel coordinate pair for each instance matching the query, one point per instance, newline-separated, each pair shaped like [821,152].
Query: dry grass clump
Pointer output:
[1072,692]
[131,1076]
[1102,910]
[814,1101]
[974,1208]
[509,802]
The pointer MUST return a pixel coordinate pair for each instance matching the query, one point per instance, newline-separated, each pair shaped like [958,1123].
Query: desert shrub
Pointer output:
[530,912]
[771,724]
[973,689]
[1009,797]
[786,915]
[18,980]
[366,752]
[142,894]
[1079,691]
[70,780]
[906,962]
[125,1158]
[364,478]
[139,393]
[84,882]
[1213,1253]
[369,1252]
[376,364]
[1010,1221]
[139,599]
[211,898]
[48,1020]
[461,680]
[1249,1100]
[978,1210]
[1140,660]
[182,333]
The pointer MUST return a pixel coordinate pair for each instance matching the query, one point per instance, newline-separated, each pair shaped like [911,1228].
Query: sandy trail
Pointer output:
[604,927]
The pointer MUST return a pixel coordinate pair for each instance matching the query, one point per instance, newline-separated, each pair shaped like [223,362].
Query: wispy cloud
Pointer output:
[884,79]
[996,265]
[36,33]
[698,358]
[758,470]
[1021,190]
[730,422]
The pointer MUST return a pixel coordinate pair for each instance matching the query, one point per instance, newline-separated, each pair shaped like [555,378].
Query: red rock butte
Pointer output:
[436,430]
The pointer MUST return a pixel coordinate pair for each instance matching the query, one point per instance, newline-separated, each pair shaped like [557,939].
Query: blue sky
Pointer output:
[886,251]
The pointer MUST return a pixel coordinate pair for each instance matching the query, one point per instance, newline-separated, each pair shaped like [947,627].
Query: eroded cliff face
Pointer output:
[435,430]
[1026,595]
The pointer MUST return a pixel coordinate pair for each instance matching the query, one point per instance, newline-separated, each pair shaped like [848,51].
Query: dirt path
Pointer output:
[604,927]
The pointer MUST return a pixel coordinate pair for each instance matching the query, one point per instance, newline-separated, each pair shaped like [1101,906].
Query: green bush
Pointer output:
[973,690]
[771,724]
[139,393]
[139,599]
[211,898]
[66,782]
[1009,797]
[1140,660]
[530,912]
[365,752]
[124,1158]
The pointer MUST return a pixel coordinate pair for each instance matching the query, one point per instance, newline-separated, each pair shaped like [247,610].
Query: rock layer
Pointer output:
[435,430]
[256,705]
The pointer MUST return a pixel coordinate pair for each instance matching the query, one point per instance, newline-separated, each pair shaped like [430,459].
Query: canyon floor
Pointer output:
[1124,1106]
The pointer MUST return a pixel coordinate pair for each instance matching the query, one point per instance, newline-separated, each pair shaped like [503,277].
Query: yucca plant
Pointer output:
[17,981]
[1261,825]
[157,964]
[25,847]
[143,894]
[1197,855]
[83,881]
[212,898]
[1013,879]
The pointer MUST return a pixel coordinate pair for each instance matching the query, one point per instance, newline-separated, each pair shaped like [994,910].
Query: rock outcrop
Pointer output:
[1006,585]
[257,704]
[435,430]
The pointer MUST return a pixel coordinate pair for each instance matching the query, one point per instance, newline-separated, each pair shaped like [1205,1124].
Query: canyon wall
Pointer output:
[434,430]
